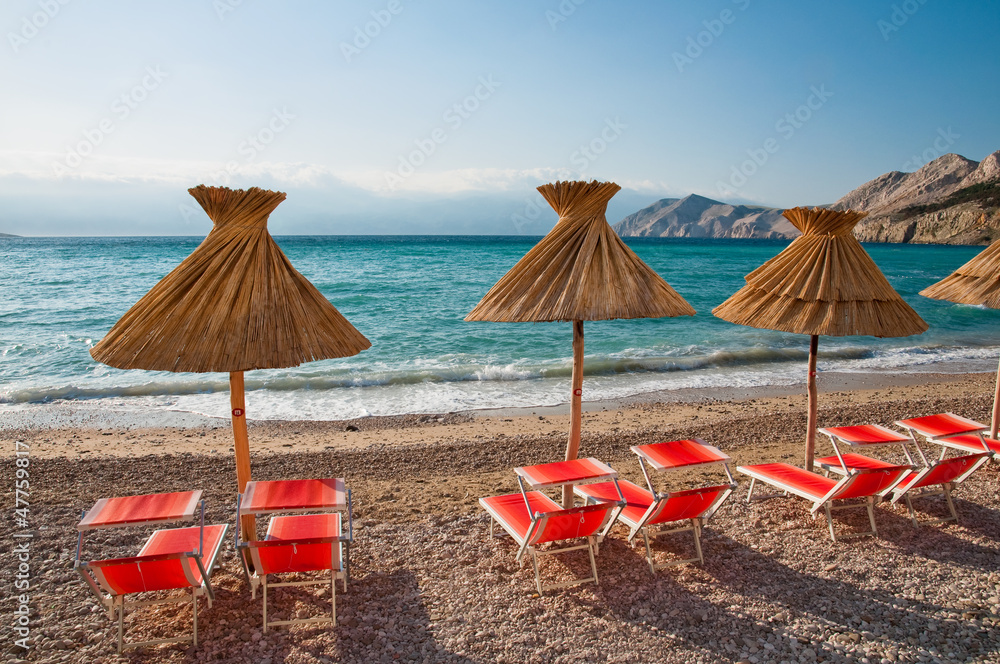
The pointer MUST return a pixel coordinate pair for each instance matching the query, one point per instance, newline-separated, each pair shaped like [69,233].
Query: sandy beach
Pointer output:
[429,585]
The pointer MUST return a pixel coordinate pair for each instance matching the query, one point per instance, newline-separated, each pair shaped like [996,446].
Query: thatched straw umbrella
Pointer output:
[977,282]
[822,283]
[580,271]
[235,304]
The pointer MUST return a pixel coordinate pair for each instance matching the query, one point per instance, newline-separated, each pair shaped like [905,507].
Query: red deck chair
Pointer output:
[939,478]
[936,477]
[297,543]
[863,483]
[171,559]
[532,518]
[644,511]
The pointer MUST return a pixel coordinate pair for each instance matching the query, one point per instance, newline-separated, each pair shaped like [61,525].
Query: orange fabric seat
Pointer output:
[970,443]
[275,496]
[150,508]
[544,520]
[298,543]
[163,563]
[866,434]
[564,472]
[943,424]
[864,483]
[643,510]
[680,453]
[852,460]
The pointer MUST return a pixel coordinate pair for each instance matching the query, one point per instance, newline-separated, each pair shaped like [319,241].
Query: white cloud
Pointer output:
[43,166]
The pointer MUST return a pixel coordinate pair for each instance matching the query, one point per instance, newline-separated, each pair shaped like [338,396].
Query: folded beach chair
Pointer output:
[532,518]
[649,512]
[863,483]
[938,478]
[296,543]
[171,559]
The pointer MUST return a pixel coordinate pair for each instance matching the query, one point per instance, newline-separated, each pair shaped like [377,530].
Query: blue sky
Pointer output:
[410,116]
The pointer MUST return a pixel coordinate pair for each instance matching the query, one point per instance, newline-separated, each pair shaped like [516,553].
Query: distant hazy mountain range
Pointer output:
[951,200]
[697,216]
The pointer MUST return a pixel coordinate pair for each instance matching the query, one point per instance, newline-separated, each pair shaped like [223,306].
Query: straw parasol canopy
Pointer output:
[977,283]
[580,271]
[235,304]
[823,283]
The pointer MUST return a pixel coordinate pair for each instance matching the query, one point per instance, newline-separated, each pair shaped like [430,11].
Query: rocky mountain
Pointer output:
[698,216]
[951,200]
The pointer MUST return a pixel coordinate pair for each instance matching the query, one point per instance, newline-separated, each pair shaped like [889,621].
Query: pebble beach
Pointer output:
[429,585]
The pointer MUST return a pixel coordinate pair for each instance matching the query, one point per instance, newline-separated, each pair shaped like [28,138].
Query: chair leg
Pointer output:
[870,502]
[946,488]
[347,563]
[194,606]
[264,583]
[829,521]
[534,564]
[696,529]
[121,623]
[753,483]
[590,549]
[913,512]
[333,595]
[649,551]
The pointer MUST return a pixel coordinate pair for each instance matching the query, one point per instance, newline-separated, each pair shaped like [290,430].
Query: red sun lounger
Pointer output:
[935,477]
[171,559]
[645,510]
[532,518]
[822,491]
[297,543]
[653,513]
[939,478]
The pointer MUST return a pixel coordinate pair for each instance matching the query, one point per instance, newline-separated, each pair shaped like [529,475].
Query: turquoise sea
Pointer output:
[409,294]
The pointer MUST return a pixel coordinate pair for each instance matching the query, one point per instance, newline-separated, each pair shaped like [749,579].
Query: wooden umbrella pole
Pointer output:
[995,422]
[576,405]
[811,390]
[241,445]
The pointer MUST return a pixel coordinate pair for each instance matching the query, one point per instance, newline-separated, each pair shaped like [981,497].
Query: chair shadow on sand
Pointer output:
[382,616]
[664,604]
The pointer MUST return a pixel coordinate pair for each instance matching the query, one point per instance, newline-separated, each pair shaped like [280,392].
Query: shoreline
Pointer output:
[105,436]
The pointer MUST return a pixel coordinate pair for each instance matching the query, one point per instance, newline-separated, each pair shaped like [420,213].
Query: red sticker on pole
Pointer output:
[578,392]
[237,412]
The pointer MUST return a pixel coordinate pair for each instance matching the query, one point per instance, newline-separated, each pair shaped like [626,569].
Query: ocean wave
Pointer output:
[462,370]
